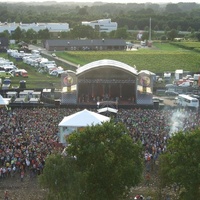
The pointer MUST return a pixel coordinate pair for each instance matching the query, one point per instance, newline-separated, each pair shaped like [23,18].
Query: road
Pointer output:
[48,54]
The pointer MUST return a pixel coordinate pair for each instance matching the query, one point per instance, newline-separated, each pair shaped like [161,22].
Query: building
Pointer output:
[102,25]
[52,27]
[86,44]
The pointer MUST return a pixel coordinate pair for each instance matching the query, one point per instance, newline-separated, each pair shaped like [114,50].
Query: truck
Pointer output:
[167,77]
[178,74]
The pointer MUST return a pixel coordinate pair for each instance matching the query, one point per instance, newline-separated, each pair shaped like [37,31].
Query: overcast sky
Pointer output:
[113,1]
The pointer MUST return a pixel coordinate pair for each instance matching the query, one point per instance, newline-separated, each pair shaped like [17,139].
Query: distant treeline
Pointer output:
[132,16]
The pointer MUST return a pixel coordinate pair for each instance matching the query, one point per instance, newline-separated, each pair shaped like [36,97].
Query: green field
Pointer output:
[159,58]
[188,44]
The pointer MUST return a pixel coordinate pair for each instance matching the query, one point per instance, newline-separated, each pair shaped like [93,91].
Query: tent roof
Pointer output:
[83,118]
[107,109]
[3,101]
[107,62]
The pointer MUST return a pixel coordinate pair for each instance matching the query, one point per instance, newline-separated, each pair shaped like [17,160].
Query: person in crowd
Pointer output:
[6,195]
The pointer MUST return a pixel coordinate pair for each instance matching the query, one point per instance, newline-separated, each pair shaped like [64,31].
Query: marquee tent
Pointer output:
[80,119]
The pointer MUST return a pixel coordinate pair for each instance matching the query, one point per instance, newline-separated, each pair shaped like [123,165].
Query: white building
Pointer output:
[103,25]
[52,27]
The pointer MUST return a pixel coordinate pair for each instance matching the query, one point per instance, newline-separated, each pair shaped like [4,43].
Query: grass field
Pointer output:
[188,44]
[159,58]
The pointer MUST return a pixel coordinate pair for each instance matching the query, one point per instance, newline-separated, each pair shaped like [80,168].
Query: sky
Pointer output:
[111,1]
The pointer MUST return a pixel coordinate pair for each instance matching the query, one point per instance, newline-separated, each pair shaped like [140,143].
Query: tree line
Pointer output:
[170,18]
[133,16]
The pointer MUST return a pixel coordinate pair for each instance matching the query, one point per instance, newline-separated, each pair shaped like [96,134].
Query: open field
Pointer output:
[188,45]
[159,58]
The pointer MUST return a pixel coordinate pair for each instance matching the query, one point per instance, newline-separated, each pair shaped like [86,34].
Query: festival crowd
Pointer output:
[28,136]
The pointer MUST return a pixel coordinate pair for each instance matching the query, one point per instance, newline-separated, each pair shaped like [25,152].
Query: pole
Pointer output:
[150,29]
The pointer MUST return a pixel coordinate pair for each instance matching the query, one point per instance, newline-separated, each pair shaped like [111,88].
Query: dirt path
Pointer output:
[18,190]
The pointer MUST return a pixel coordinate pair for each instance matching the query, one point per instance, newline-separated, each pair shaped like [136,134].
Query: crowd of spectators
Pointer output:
[28,135]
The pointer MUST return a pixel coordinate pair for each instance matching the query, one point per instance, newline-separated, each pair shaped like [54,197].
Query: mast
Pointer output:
[150,29]
[149,41]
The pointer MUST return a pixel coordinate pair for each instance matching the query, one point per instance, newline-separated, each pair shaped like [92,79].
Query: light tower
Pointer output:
[149,41]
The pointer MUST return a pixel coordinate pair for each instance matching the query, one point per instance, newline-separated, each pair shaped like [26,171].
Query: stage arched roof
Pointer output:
[106,62]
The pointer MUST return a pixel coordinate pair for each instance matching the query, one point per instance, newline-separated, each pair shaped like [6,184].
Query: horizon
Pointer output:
[105,1]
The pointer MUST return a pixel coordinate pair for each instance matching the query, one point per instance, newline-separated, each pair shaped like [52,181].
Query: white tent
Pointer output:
[107,109]
[3,102]
[83,118]
[80,119]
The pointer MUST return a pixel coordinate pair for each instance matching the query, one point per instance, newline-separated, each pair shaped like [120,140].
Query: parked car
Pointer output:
[171,93]
[56,73]
[6,84]
[170,85]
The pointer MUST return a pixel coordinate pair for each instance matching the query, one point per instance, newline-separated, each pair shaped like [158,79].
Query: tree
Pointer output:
[112,34]
[60,176]
[172,34]
[166,28]
[83,11]
[65,35]
[31,34]
[5,34]
[17,34]
[172,8]
[198,36]
[145,35]
[43,34]
[83,31]
[180,164]
[104,35]
[156,28]
[163,37]
[121,33]
[101,160]
[109,160]
[146,28]
[135,27]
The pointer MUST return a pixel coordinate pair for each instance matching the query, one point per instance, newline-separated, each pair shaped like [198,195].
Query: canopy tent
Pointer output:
[3,102]
[80,119]
[83,118]
[107,109]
